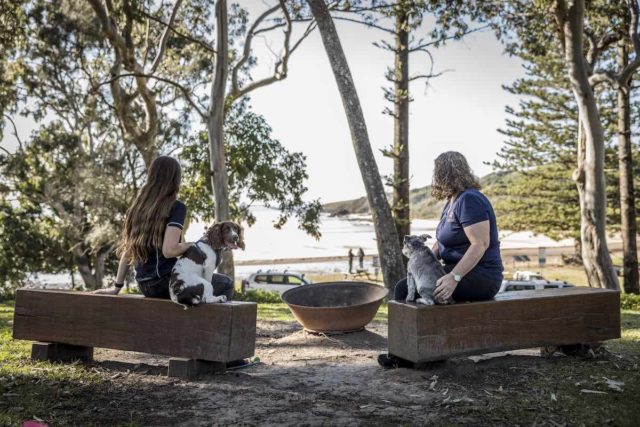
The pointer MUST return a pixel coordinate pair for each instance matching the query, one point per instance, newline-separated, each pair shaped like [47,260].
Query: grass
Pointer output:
[76,394]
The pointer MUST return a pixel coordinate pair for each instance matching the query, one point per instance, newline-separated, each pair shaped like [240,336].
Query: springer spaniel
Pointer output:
[190,282]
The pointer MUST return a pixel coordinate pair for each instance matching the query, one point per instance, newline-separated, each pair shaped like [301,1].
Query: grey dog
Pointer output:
[423,270]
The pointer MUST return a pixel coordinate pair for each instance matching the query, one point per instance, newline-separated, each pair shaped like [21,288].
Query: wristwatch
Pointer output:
[118,285]
[456,277]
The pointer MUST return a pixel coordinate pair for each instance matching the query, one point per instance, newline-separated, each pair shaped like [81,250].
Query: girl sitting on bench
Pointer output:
[152,234]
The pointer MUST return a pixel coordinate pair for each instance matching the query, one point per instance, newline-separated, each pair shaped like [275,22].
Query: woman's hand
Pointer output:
[445,287]
[107,291]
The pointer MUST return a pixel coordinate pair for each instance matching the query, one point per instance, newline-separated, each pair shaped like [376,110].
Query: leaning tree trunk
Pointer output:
[215,128]
[83,263]
[401,201]
[627,197]
[595,253]
[386,234]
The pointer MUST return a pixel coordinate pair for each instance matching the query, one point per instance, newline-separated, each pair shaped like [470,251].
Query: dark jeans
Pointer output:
[473,287]
[159,288]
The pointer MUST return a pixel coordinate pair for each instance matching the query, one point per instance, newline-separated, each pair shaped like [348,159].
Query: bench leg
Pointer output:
[188,369]
[56,352]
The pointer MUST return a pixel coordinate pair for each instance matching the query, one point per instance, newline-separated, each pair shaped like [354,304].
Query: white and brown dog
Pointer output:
[190,282]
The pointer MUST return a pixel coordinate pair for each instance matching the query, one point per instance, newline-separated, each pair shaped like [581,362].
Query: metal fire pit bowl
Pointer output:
[335,306]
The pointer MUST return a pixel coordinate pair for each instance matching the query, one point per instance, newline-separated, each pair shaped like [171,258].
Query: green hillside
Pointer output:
[422,204]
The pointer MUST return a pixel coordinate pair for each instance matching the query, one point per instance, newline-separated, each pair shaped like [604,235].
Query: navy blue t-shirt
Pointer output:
[157,265]
[470,207]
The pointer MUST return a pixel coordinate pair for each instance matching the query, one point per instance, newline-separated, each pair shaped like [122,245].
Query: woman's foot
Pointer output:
[389,361]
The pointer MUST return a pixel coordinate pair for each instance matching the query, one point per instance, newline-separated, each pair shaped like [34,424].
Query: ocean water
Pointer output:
[264,242]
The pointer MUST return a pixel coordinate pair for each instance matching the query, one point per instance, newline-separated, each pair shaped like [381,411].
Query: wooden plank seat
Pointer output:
[69,324]
[513,320]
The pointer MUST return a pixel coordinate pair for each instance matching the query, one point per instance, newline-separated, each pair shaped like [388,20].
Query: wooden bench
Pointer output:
[513,320]
[69,324]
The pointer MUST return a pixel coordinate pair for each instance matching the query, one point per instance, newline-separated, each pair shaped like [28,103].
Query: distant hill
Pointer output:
[422,204]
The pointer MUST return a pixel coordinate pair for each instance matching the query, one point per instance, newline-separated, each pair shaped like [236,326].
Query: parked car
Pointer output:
[531,281]
[274,280]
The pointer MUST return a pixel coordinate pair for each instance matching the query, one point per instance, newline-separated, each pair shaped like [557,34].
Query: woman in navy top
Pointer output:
[467,235]
[152,234]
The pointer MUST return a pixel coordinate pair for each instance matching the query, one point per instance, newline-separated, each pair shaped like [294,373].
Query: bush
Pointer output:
[629,301]
[264,297]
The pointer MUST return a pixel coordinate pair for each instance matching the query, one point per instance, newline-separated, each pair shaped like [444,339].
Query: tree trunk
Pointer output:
[83,263]
[215,127]
[386,234]
[627,197]
[595,253]
[401,202]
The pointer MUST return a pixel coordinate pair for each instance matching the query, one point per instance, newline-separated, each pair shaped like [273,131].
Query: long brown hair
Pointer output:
[145,221]
[452,175]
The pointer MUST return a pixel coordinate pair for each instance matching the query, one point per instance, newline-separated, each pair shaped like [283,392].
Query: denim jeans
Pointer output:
[474,286]
[159,288]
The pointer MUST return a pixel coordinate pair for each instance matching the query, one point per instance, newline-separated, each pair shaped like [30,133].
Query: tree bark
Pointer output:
[386,234]
[215,128]
[627,197]
[595,253]
[83,263]
[401,201]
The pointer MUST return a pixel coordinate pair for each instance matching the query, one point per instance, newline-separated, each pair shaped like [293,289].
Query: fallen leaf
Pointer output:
[584,390]
[613,384]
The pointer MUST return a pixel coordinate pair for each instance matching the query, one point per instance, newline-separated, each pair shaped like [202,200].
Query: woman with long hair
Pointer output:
[152,233]
[467,238]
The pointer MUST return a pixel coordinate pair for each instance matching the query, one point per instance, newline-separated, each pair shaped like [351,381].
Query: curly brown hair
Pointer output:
[452,175]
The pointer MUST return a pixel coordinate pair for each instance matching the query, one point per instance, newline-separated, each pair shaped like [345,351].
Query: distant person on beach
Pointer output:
[152,235]
[361,258]
[467,239]
[351,256]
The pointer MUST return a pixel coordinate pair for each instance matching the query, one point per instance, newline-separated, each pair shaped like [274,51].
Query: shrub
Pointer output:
[629,301]
[264,297]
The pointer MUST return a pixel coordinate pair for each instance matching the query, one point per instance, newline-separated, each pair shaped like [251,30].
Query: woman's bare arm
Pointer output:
[123,267]
[171,245]
[479,237]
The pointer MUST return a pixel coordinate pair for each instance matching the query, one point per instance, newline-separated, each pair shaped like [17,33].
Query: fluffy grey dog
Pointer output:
[423,270]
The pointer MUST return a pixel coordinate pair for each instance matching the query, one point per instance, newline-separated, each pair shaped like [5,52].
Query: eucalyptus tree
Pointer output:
[66,70]
[226,56]
[386,235]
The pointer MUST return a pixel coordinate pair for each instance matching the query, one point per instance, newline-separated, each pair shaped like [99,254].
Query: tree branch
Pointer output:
[202,44]
[626,74]
[246,51]
[183,89]
[282,66]
[602,77]
[15,130]
[165,37]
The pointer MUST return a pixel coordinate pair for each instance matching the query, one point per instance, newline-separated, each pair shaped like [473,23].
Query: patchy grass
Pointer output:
[507,391]
[72,394]
[281,312]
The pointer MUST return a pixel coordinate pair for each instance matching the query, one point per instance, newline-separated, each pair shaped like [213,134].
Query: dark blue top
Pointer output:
[470,207]
[157,265]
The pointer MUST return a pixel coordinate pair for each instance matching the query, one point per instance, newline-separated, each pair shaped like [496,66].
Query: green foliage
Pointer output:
[536,190]
[259,296]
[630,302]
[261,171]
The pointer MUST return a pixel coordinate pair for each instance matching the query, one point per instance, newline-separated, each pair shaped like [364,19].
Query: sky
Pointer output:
[460,110]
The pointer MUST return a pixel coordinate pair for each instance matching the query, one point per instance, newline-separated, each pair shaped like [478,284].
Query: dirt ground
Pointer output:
[307,379]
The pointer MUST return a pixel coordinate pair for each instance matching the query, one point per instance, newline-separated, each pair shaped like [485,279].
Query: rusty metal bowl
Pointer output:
[335,306]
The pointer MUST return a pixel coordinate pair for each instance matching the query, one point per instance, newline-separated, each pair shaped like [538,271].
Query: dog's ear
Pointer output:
[240,232]
[425,237]
[213,236]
